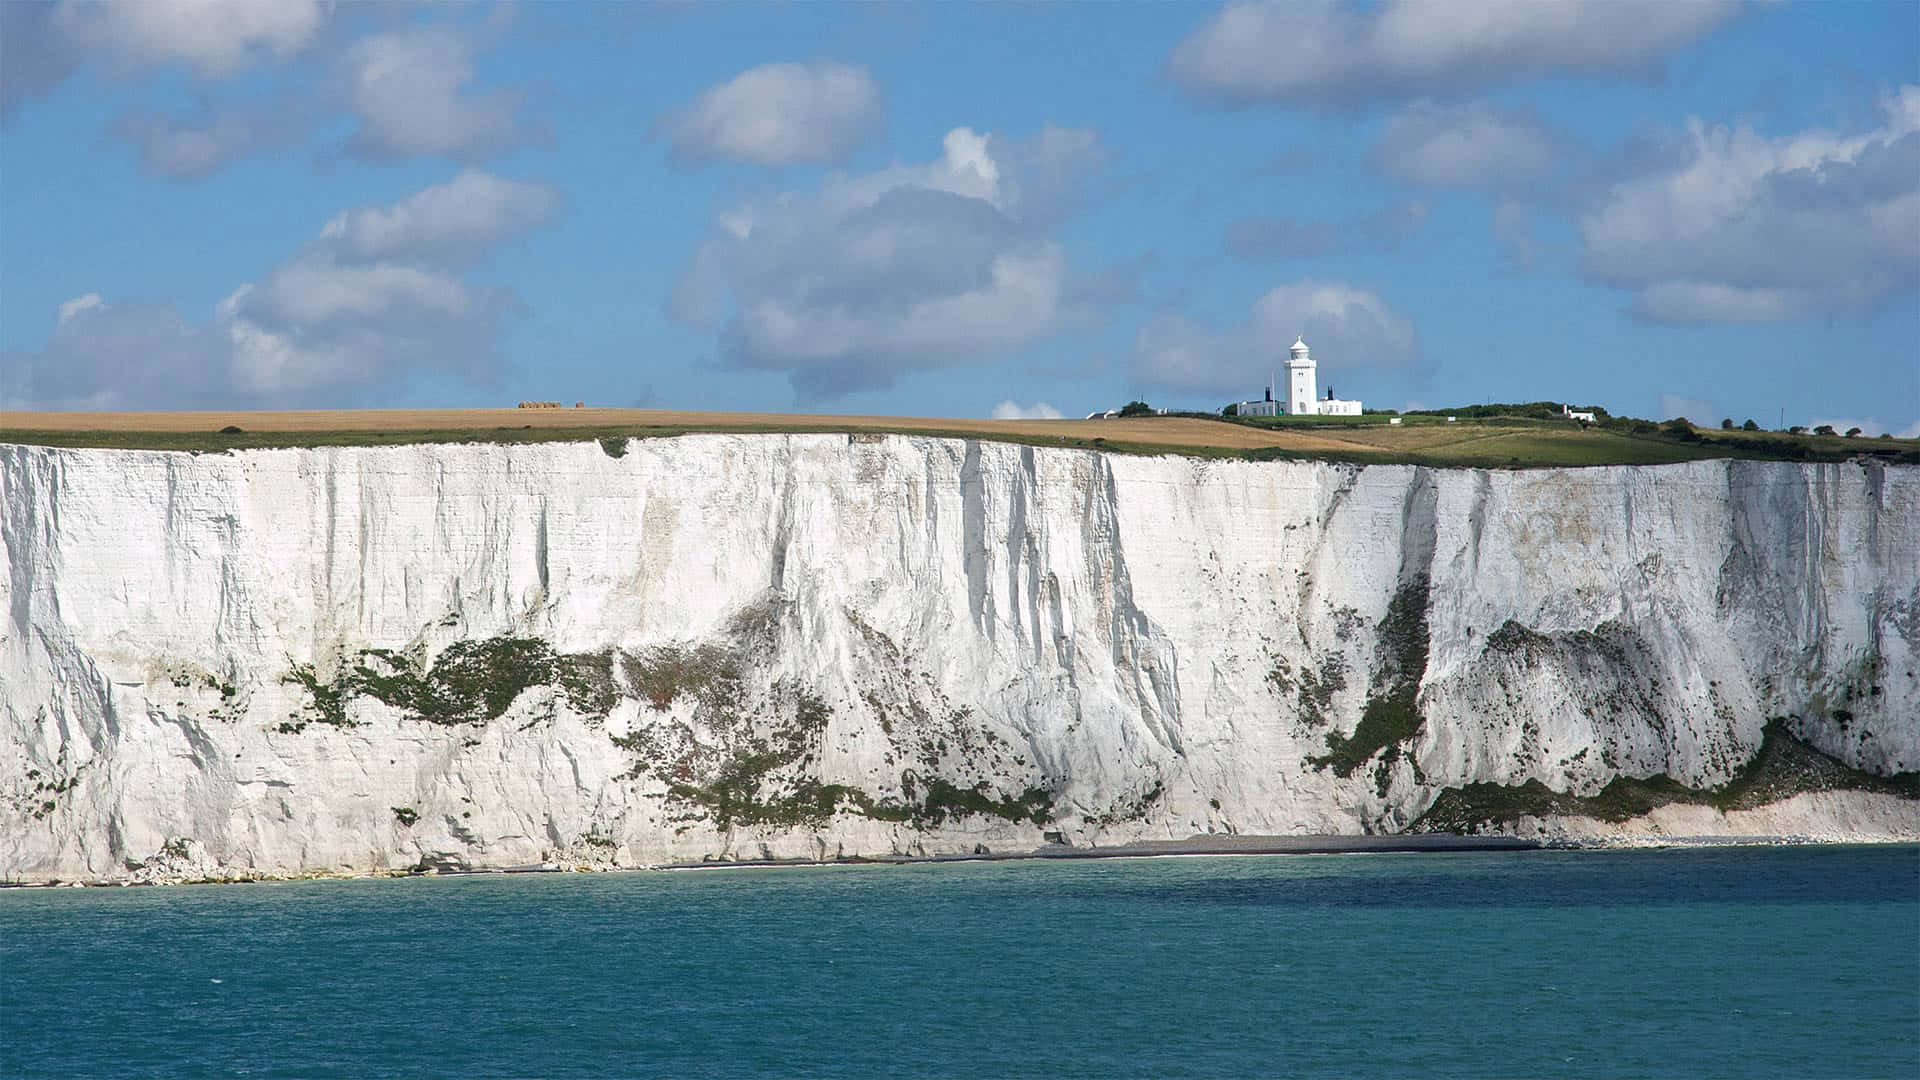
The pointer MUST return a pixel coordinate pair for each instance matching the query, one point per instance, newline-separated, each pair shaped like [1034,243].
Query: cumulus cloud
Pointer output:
[1700,412]
[410,90]
[217,136]
[1320,50]
[1347,327]
[1465,146]
[370,300]
[1013,410]
[780,114]
[317,325]
[111,356]
[42,43]
[1280,238]
[455,222]
[1743,228]
[214,37]
[35,56]
[909,267]
[409,86]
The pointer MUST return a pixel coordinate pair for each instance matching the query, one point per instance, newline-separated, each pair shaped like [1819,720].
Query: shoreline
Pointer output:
[1199,846]
[1192,847]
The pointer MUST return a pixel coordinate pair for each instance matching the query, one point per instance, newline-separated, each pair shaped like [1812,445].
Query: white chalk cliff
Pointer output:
[354,660]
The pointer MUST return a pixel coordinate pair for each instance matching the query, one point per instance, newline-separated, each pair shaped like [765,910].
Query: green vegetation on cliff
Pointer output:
[1784,766]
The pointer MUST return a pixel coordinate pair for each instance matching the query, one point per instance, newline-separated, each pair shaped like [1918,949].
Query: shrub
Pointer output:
[1852,431]
[1681,428]
[1726,423]
[1749,425]
[1823,429]
[1136,408]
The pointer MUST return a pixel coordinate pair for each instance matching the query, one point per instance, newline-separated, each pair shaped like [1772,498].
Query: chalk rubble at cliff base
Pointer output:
[366,660]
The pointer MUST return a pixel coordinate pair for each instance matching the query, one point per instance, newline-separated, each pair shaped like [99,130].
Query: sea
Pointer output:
[1683,962]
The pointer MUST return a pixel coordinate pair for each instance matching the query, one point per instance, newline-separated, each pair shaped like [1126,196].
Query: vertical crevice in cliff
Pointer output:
[1391,718]
[27,530]
[1477,520]
[540,549]
[1023,552]
[973,540]
[1020,491]
[782,531]
[1147,664]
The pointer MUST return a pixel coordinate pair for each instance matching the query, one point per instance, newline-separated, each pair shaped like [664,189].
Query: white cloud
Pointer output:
[1701,413]
[1318,50]
[216,137]
[78,306]
[41,43]
[1347,328]
[1747,228]
[1473,146]
[1012,410]
[909,267]
[107,356]
[35,56]
[409,88]
[367,303]
[214,37]
[452,222]
[316,325]
[780,114]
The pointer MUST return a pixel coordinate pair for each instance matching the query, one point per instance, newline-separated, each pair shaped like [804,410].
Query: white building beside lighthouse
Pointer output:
[1302,397]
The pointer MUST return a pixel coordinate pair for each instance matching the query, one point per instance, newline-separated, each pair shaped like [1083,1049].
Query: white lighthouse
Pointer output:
[1301,397]
[1300,382]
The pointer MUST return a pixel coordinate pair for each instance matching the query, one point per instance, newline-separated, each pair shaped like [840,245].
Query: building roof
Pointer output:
[1299,346]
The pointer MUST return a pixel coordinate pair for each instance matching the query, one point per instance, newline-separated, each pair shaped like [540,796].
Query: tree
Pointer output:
[1749,425]
[1231,410]
[1136,408]
[1726,423]
[1823,429]
[1852,431]
[1797,429]
[1680,428]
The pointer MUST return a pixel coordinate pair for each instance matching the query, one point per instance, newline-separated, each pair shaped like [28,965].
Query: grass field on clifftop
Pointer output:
[1494,442]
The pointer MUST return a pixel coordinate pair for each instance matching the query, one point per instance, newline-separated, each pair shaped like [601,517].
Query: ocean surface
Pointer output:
[1736,962]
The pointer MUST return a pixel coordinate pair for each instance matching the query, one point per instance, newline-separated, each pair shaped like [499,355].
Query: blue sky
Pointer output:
[1700,208]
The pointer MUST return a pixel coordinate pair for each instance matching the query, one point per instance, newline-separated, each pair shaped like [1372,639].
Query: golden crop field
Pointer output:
[1502,442]
[1159,430]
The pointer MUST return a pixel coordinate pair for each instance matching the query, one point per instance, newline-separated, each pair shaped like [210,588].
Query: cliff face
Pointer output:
[742,645]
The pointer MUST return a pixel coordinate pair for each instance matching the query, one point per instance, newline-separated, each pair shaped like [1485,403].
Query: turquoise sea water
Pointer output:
[1801,962]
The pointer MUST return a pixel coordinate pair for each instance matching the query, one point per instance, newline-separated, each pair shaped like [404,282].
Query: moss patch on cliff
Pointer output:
[470,682]
[1392,714]
[746,753]
[1313,689]
[763,782]
[326,701]
[1783,767]
[709,674]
